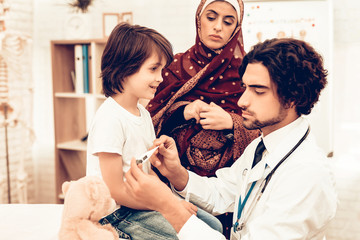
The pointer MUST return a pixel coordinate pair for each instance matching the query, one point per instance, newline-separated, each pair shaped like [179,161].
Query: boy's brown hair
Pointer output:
[126,50]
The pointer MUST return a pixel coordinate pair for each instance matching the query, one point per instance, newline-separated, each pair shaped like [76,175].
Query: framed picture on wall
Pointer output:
[110,20]
[127,17]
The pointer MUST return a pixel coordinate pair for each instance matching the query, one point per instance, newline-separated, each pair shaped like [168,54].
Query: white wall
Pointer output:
[346,119]
[347,77]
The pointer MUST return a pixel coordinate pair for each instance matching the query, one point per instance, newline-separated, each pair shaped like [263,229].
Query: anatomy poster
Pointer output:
[306,20]
[310,21]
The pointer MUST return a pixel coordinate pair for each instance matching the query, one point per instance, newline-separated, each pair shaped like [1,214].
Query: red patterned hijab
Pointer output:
[202,73]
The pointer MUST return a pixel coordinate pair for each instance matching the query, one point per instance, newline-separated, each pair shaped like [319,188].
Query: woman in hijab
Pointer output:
[196,103]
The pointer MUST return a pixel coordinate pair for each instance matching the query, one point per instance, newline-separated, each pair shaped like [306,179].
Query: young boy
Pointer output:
[131,67]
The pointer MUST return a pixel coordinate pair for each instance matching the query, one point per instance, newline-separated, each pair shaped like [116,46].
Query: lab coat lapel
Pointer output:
[246,168]
[257,172]
[286,144]
[251,176]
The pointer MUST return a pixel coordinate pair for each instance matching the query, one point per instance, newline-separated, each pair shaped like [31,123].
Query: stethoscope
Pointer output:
[238,226]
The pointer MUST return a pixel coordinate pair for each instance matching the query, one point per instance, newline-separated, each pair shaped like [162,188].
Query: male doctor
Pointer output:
[282,186]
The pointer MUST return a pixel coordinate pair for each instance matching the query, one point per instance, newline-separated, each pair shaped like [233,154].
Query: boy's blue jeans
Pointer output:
[141,225]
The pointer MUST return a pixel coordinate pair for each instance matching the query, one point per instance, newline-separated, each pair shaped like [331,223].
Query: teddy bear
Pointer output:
[87,200]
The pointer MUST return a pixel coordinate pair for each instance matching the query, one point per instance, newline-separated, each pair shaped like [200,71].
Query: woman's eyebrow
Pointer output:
[230,16]
[227,16]
[213,11]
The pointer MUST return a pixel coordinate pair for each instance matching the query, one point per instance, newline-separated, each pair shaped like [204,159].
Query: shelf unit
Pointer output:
[73,111]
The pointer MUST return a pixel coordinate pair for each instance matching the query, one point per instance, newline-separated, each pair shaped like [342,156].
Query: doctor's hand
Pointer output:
[215,117]
[166,158]
[190,207]
[147,189]
[192,110]
[167,161]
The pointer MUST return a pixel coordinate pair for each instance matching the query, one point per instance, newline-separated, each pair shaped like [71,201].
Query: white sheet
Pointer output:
[30,221]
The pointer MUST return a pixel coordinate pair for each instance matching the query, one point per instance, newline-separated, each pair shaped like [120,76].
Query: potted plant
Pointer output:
[77,24]
[81,5]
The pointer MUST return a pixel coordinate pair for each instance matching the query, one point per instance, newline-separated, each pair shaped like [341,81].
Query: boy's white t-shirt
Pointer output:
[115,130]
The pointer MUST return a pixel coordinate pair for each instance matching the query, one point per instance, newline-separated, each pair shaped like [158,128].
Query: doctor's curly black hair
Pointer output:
[296,69]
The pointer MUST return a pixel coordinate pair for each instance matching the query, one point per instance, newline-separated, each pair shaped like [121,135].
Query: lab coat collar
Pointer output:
[281,141]
[278,144]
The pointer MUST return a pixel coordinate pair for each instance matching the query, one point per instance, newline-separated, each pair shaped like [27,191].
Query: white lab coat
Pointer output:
[298,203]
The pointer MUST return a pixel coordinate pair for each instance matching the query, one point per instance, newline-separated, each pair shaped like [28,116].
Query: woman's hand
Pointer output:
[192,110]
[215,117]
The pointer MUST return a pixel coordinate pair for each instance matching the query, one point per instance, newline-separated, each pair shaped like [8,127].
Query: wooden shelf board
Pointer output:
[76,145]
[79,41]
[61,196]
[71,95]
[100,96]
[78,95]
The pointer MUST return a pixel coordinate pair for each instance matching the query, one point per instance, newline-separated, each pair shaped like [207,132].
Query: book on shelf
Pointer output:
[79,78]
[73,79]
[85,67]
[90,69]
[82,74]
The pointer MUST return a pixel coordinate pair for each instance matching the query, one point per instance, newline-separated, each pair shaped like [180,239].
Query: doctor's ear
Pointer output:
[290,104]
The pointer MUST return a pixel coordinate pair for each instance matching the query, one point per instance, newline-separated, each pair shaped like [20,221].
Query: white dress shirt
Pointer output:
[298,202]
